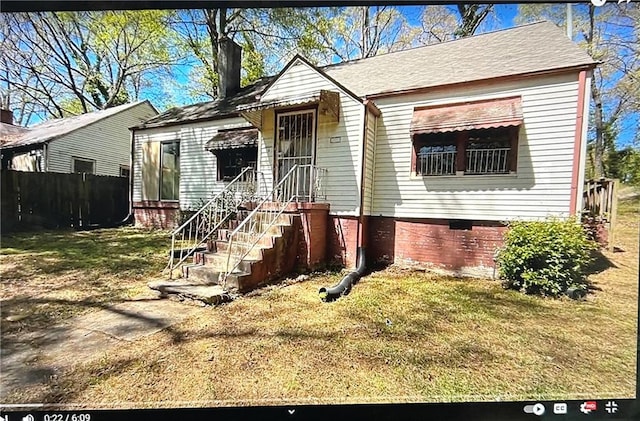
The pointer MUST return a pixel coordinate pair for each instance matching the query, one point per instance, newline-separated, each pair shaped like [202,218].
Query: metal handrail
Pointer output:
[208,219]
[286,198]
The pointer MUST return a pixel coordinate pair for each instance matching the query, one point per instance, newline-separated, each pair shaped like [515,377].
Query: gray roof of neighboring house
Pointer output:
[10,132]
[530,48]
[16,136]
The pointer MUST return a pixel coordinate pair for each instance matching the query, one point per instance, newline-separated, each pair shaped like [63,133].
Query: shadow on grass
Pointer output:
[600,263]
[64,388]
[112,250]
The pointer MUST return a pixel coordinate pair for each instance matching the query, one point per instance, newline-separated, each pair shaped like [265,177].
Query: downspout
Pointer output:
[129,218]
[344,286]
[45,157]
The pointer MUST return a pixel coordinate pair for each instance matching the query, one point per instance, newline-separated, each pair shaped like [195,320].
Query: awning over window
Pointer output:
[233,139]
[468,116]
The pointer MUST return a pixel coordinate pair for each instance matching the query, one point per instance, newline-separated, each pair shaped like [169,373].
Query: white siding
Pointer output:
[342,156]
[369,166]
[265,148]
[541,187]
[198,171]
[107,141]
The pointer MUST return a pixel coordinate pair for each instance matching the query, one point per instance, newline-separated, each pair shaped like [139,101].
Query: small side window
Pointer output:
[83,165]
[125,171]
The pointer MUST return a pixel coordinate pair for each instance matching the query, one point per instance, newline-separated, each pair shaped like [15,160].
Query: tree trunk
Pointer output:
[598,119]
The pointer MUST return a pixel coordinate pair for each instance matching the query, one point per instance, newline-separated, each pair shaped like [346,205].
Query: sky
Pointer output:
[171,92]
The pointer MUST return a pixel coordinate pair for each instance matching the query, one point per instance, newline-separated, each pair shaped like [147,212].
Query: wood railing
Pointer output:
[600,201]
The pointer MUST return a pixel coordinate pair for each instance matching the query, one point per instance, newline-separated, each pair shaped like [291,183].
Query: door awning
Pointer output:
[328,105]
[233,139]
[475,115]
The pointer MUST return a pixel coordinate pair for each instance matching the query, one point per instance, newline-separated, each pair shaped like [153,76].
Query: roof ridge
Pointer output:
[121,107]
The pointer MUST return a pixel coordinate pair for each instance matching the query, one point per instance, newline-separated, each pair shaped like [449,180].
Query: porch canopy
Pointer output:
[485,114]
[328,105]
[233,139]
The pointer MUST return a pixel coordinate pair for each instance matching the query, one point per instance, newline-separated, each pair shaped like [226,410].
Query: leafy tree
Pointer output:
[624,165]
[268,38]
[610,35]
[63,63]
[438,24]
[361,32]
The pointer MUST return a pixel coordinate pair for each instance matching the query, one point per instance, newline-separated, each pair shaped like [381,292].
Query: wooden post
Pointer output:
[613,214]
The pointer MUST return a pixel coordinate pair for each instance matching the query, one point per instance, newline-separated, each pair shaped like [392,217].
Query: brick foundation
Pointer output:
[154,214]
[312,238]
[342,236]
[432,243]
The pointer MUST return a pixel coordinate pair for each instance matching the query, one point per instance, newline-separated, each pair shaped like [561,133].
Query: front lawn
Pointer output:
[50,276]
[399,336]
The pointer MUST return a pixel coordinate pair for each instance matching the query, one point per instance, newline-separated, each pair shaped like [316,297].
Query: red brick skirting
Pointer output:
[434,243]
[342,236]
[156,214]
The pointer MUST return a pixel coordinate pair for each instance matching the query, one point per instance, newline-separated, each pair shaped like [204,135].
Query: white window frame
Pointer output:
[124,167]
[77,158]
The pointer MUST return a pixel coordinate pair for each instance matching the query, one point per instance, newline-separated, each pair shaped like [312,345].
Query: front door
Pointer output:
[295,144]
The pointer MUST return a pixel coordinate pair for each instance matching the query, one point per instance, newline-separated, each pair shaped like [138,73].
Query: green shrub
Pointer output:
[545,257]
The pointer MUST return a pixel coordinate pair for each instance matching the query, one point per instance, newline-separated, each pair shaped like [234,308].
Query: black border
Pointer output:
[629,408]
[61,5]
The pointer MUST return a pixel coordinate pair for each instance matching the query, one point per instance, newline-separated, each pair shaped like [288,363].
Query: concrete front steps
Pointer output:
[273,256]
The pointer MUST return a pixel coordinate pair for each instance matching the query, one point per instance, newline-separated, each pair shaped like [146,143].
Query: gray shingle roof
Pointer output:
[15,136]
[531,48]
[524,49]
[208,110]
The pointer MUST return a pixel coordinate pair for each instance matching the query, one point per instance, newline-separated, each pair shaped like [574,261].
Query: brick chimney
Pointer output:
[229,63]
[6,116]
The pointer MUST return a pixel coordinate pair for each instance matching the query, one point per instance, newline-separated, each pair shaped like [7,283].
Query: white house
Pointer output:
[422,155]
[96,143]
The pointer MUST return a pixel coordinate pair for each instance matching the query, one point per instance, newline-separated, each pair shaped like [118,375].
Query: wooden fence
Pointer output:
[600,201]
[55,200]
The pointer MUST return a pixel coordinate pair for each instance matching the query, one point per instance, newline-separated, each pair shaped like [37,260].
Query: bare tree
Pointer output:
[58,64]
[471,16]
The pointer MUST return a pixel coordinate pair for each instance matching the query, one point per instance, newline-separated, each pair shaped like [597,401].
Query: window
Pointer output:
[437,154]
[488,151]
[170,170]
[231,162]
[124,171]
[82,165]
[473,152]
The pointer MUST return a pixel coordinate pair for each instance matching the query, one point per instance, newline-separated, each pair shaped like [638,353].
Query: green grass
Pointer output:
[399,336]
[49,276]
[629,207]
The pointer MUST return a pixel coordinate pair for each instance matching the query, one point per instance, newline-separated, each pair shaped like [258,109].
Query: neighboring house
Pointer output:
[96,143]
[428,152]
